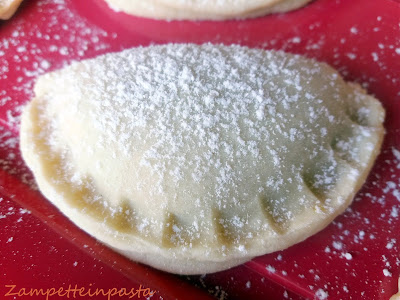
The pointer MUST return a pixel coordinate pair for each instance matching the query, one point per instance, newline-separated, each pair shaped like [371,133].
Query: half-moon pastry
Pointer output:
[196,158]
[204,9]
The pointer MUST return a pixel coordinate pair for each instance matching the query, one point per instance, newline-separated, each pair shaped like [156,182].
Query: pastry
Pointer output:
[397,295]
[196,158]
[8,8]
[204,9]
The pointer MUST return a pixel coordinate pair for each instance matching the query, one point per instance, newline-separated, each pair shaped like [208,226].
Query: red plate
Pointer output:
[356,257]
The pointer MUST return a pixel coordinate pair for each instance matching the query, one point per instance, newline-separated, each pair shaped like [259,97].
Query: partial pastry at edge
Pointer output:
[8,8]
[204,10]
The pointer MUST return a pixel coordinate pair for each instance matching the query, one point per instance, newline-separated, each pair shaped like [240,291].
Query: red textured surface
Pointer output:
[347,260]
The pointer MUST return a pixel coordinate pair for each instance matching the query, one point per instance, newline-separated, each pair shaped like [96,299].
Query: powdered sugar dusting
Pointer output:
[23,61]
[316,47]
[188,126]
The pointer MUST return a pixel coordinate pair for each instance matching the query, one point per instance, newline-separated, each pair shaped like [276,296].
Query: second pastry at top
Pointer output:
[204,9]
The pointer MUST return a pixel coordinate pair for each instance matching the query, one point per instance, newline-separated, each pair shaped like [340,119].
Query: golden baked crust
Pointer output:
[8,8]
[193,158]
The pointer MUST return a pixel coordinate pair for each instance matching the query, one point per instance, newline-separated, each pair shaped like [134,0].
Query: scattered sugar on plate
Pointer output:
[44,65]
